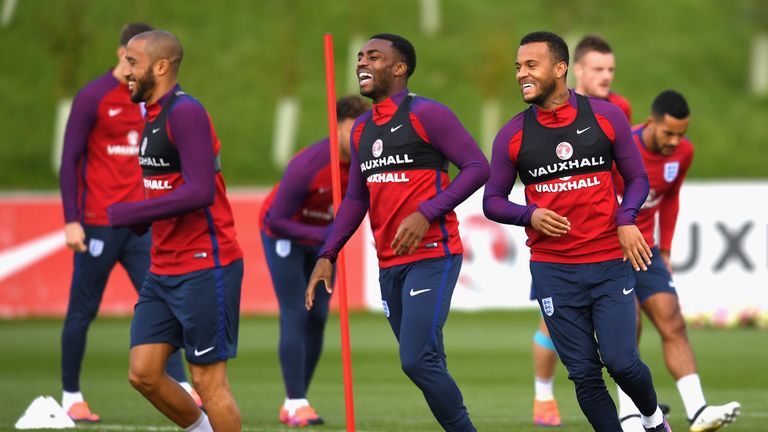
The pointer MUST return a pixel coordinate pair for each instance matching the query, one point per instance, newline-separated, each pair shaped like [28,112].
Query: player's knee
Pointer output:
[544,341]
[673,328]
[143,379]
[622,366]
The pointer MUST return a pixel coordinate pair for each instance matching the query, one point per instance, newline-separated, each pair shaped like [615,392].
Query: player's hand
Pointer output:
[323,271]
[549,223]
[75,237]
[409,233]
[634,247]
[666,256]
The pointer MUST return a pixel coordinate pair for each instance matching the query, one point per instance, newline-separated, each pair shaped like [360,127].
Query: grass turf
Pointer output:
[488,354]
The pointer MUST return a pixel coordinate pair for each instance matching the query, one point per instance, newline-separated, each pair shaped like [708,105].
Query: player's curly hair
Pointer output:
[557,46]
[672,103]
[403,47]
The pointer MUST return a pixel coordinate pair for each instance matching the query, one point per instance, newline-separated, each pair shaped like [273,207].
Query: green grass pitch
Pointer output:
[488,355]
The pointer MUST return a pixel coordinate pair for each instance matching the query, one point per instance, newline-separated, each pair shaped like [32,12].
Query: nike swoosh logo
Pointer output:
[18,257]
[395,128]
[415,293]
[199,353]
[627,291]
[114,112]
[155,130]
[581,131]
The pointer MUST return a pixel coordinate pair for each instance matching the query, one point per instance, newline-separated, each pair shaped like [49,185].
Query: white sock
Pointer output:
[202,424]
[545,388]
[186,386]
[70,398]
[626,405]
[690,390]
[293,404]
[654,420]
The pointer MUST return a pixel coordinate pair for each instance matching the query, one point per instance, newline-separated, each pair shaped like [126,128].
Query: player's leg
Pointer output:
[614,316]
[135,259]
[629,414]
[207,304]
[566,308]
[147,375]
[155,335]
[318,317]
[663,308]
[286,262]
[426,299]
[89,278]
[545,411]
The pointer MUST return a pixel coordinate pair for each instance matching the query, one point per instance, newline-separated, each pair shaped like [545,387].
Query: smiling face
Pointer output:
[137,70]
[666,132]
[381,70]
[537,73]
[594,74]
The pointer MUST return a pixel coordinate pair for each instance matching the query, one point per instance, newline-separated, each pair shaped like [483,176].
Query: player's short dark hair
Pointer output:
[132,29]
[557,46]
[672,103]
[588,44]
[351,107]
[402,46]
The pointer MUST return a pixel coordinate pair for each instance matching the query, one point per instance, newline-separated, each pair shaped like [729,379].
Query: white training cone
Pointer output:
[44,413]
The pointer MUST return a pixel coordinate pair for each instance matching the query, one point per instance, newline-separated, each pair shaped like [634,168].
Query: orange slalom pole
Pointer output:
[341,270]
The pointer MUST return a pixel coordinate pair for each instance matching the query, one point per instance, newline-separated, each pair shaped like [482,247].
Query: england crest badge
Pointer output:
[283,248]
[670,171]
[548,306]
[95,247]
[386,308]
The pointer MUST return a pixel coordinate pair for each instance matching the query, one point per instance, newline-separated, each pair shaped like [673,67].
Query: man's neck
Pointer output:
[160,90]
[649,140]
[558,98]
[395,89]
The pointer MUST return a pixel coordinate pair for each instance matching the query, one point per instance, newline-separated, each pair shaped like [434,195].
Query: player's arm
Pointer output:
[351,213]
[636,186]
[291,193]
[190,128]
[81,120]
[447,135]
[668,211]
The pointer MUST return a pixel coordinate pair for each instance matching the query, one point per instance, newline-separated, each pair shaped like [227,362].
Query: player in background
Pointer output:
[398,173]
[563,148]
[99,168]
[295,220]
[594,67]
[667,154]
[191,296]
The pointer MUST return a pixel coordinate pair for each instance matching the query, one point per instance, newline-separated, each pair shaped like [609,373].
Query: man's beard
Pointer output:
[547,88]
[143,87]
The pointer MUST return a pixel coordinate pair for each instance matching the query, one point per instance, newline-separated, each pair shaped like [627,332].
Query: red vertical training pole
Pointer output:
[341,270]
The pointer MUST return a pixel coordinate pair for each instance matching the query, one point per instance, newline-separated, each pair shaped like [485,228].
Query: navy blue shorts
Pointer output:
[656,280]
[589,310]
[198,311]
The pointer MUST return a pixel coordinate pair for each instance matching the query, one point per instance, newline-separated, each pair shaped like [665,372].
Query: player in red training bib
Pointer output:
[667,154]
[98,168]
[295,220]
[400,152]
[563,147]
[593,66]
[191,296]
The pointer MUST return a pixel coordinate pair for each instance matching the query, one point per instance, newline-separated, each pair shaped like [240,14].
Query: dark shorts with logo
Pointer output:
[656,280]
[588,308]
[197,311]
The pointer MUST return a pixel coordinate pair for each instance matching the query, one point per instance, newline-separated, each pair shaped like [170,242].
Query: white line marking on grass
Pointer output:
[9,7]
